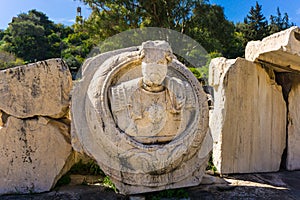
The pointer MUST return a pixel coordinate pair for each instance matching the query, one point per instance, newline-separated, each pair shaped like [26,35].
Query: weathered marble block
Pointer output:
[281,53]
[143,116]
[37,89]
[281,49]
[293,149]
[248,122]
[34,154]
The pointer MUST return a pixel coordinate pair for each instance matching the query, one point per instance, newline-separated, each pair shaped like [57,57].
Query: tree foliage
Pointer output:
[32,36]
[124,14]
[205,23]
[76,47]
[256,27]
[8,60]
[212,30]
[28,35]
[279,22]
[256,24]
[110,17]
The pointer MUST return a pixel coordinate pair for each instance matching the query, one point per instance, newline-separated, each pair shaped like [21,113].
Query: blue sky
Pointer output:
[238,9]
[59,11]
[64,11]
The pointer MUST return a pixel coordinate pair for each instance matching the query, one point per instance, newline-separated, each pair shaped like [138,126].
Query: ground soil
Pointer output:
[281,185]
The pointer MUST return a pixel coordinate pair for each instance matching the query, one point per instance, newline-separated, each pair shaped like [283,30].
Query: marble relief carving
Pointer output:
[143,116]
[155,107]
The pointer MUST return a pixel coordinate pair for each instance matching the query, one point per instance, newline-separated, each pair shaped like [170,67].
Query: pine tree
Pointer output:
[279,23]
[256,25]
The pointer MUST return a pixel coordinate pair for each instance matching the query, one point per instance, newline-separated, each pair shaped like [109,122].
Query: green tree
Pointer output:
[256,27]
[212,30]
[168,14]
[255,24]
[32,37]
[8,60]
[28,40]
[1,34]
[279,22]
[75,49]
[198,19]
[110,17]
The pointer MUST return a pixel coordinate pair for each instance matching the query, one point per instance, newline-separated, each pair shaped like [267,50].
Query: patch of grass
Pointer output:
[90,168]
[108,183]
[211,165]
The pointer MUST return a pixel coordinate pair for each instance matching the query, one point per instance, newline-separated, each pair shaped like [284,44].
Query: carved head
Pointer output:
[155,58]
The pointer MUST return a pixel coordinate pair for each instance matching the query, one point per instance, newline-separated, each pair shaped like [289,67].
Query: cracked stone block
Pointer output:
[248,122]
[37,89]
[34,154]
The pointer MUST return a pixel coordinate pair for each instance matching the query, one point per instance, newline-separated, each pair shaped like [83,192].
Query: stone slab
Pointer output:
[38,89]
[282,50]
[248,122]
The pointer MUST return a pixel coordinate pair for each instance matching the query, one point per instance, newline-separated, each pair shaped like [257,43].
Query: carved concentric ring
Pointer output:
[126,160]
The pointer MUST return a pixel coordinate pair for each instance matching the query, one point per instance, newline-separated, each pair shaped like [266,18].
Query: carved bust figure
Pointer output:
[143,116]
[155,107]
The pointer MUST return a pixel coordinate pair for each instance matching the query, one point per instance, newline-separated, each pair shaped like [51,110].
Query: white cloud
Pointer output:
[71,20]
[298,11]
[63,20]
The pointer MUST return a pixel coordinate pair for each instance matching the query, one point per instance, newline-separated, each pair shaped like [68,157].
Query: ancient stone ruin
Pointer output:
[143,116]
[35,148]
[255,119]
